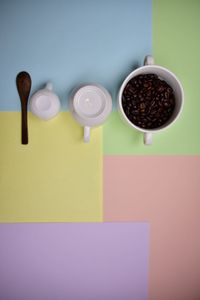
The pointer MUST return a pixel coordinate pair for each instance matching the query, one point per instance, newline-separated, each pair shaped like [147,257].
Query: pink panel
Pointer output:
[164,190]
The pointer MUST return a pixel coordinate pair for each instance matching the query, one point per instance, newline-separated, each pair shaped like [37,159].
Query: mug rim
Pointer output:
[129,77]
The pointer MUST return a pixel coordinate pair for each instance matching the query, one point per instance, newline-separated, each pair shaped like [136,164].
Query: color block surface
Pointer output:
[56,177]
[74,261]
[70,42]
[165,192]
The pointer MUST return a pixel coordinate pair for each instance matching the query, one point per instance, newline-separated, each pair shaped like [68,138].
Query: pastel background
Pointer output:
[165,192]
[58,178]
[71,42]
[106,261]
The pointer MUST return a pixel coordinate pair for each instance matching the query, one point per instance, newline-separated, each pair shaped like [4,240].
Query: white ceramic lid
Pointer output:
[91,104]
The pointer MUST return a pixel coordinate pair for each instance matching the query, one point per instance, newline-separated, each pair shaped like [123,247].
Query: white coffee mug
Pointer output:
[90,105]
[150,68]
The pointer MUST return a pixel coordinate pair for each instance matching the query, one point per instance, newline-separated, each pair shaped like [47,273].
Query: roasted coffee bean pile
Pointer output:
[148,101]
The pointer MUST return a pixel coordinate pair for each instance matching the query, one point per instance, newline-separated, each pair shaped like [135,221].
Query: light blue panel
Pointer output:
[71,42]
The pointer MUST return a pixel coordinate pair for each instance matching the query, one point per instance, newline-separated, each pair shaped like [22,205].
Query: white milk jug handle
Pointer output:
[49,86]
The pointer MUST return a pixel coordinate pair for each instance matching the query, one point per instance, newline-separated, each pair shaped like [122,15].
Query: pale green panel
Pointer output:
[176,45]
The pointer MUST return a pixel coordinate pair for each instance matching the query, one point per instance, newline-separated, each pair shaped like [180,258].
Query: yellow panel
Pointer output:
[56,177]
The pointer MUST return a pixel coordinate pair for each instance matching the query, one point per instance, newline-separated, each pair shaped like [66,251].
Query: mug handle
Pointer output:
[148,60]
[86,134]
[148,137]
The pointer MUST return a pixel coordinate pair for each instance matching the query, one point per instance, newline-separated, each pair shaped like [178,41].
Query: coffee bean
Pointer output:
[142,105]
[148,101]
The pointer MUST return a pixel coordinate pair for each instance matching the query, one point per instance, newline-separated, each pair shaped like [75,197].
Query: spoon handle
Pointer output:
[24,124]
[23,82]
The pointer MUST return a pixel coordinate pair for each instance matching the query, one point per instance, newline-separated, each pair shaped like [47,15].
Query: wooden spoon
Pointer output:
[23,81]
